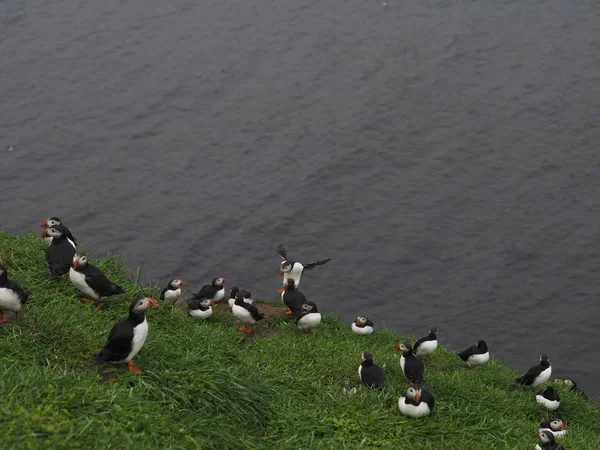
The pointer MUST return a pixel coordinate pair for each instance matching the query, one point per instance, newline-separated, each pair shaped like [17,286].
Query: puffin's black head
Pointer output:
[218,282]
[366,357]
[80,262]
[239,299]
[233,291]
[405,347]
[548,392]
[414,393]
[360,321]
[309,307]
[547,437]
[52,221]
[544,357]
[291,284]
[247,294]
[482,345]
[142,304]
[176,283]
[433,330]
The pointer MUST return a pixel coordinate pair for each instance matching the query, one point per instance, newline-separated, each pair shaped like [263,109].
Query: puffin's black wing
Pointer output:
[254,312]
[419,342]
[372,376]
[119,342]
[162,293]
[369,323]
[207,291]
[281,251]
[194,303]
[20,291]
[312,264]
[427,397]
[96,279]
[530,375]
[294,300]
[414,370]
[68,234]
[59,256]
[466,353]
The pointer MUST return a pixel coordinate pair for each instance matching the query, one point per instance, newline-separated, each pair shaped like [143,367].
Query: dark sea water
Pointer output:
[445,154]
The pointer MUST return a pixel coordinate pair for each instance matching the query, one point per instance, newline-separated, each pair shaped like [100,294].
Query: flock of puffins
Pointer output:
[128,336]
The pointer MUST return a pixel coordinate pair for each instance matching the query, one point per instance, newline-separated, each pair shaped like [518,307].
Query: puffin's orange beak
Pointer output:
[356,322]
[45,233]
[398,347]
[537,434]
[564,426]
[280,290]
[153,302]
[224,280]
[44,223]
[76,263]
[212,303]
[418,397]
[280,272]
[183,283]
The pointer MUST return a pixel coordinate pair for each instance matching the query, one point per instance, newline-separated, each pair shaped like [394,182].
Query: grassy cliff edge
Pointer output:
[205,386]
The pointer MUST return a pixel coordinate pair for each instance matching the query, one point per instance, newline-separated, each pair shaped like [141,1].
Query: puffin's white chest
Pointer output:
[9,300]
[48,240]
[310,320]
[72,243]
[476,360]
[402,362]
[411,410]
[199,314]
[242,314]
[171,295]
[140,333]
[426,348]
[295,274]
[557,434]
[362,330]
[231,302]
[360,372]
[219,295]
[542,377]
[78,280]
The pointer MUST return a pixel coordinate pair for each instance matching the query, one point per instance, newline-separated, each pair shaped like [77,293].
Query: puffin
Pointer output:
[370,373]
[91,281]
[59,255]
[572,385]
[294,269]
[293,298]
[12,295]
[247,296]
[427,344]
[548,442]
[362,325]
[214,291]
[53,221]
[417,402]
[412,367]
[173,290]
[538,374]
[308,317]
[548,397]
[475,355]
[556,426]
[232,294]
[200,308]
[127,337]
[245,312]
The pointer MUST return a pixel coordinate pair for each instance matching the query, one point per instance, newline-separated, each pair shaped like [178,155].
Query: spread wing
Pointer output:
[281,251]
[119,342]
[312,264]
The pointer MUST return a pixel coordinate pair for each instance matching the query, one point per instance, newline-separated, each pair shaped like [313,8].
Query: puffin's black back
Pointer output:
[253,310]
[414,370]
[533,373]
[59,254]
[22,293]
[96,279]
[372,375]
[121,337]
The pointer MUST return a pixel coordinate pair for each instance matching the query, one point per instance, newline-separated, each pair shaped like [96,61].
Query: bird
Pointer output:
[12,295]
[173,290]
[248,314]
[548,397]
[413,367]
[200,308]
[538,374]
[572,385]
[427,344]
[308,317]
[370,373]
[475,355]
[294,269]
[548,442]
[293,298]
[417,402]
[362,325]
[128,336]
[232,294]
[556,426]
[59,255]
[53,221]
[247,296]
[91,281]
[214,291]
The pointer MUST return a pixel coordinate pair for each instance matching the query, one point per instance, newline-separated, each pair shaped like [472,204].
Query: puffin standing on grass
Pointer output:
[538,374]
[362,325]
[12,295]
[128,336]
[370,373]
[413,367]
[475,355]
[293,298]
[548,397]
[294,269]
[173,290]
[248,314]
[91,281]
[556,426]
[308,317]
[417,402]
[548,442]
[427,344]
[53,221]
[59,255]
[200,308]
[214,291]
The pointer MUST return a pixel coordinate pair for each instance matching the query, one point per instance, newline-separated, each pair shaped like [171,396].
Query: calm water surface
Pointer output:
[444,154]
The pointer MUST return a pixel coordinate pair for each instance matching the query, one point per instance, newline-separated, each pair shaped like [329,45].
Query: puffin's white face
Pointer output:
[545,437]
[414,394]
[219,281]
[79,261]
[177,283]
[144,303]
[361,321]
[206,303]
[307,308]
[51,223]
[402,347]
[557,425]
[286,266]
[52,232]
[568,382]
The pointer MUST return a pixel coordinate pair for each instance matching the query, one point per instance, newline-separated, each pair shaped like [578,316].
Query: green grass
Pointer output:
[203,387]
